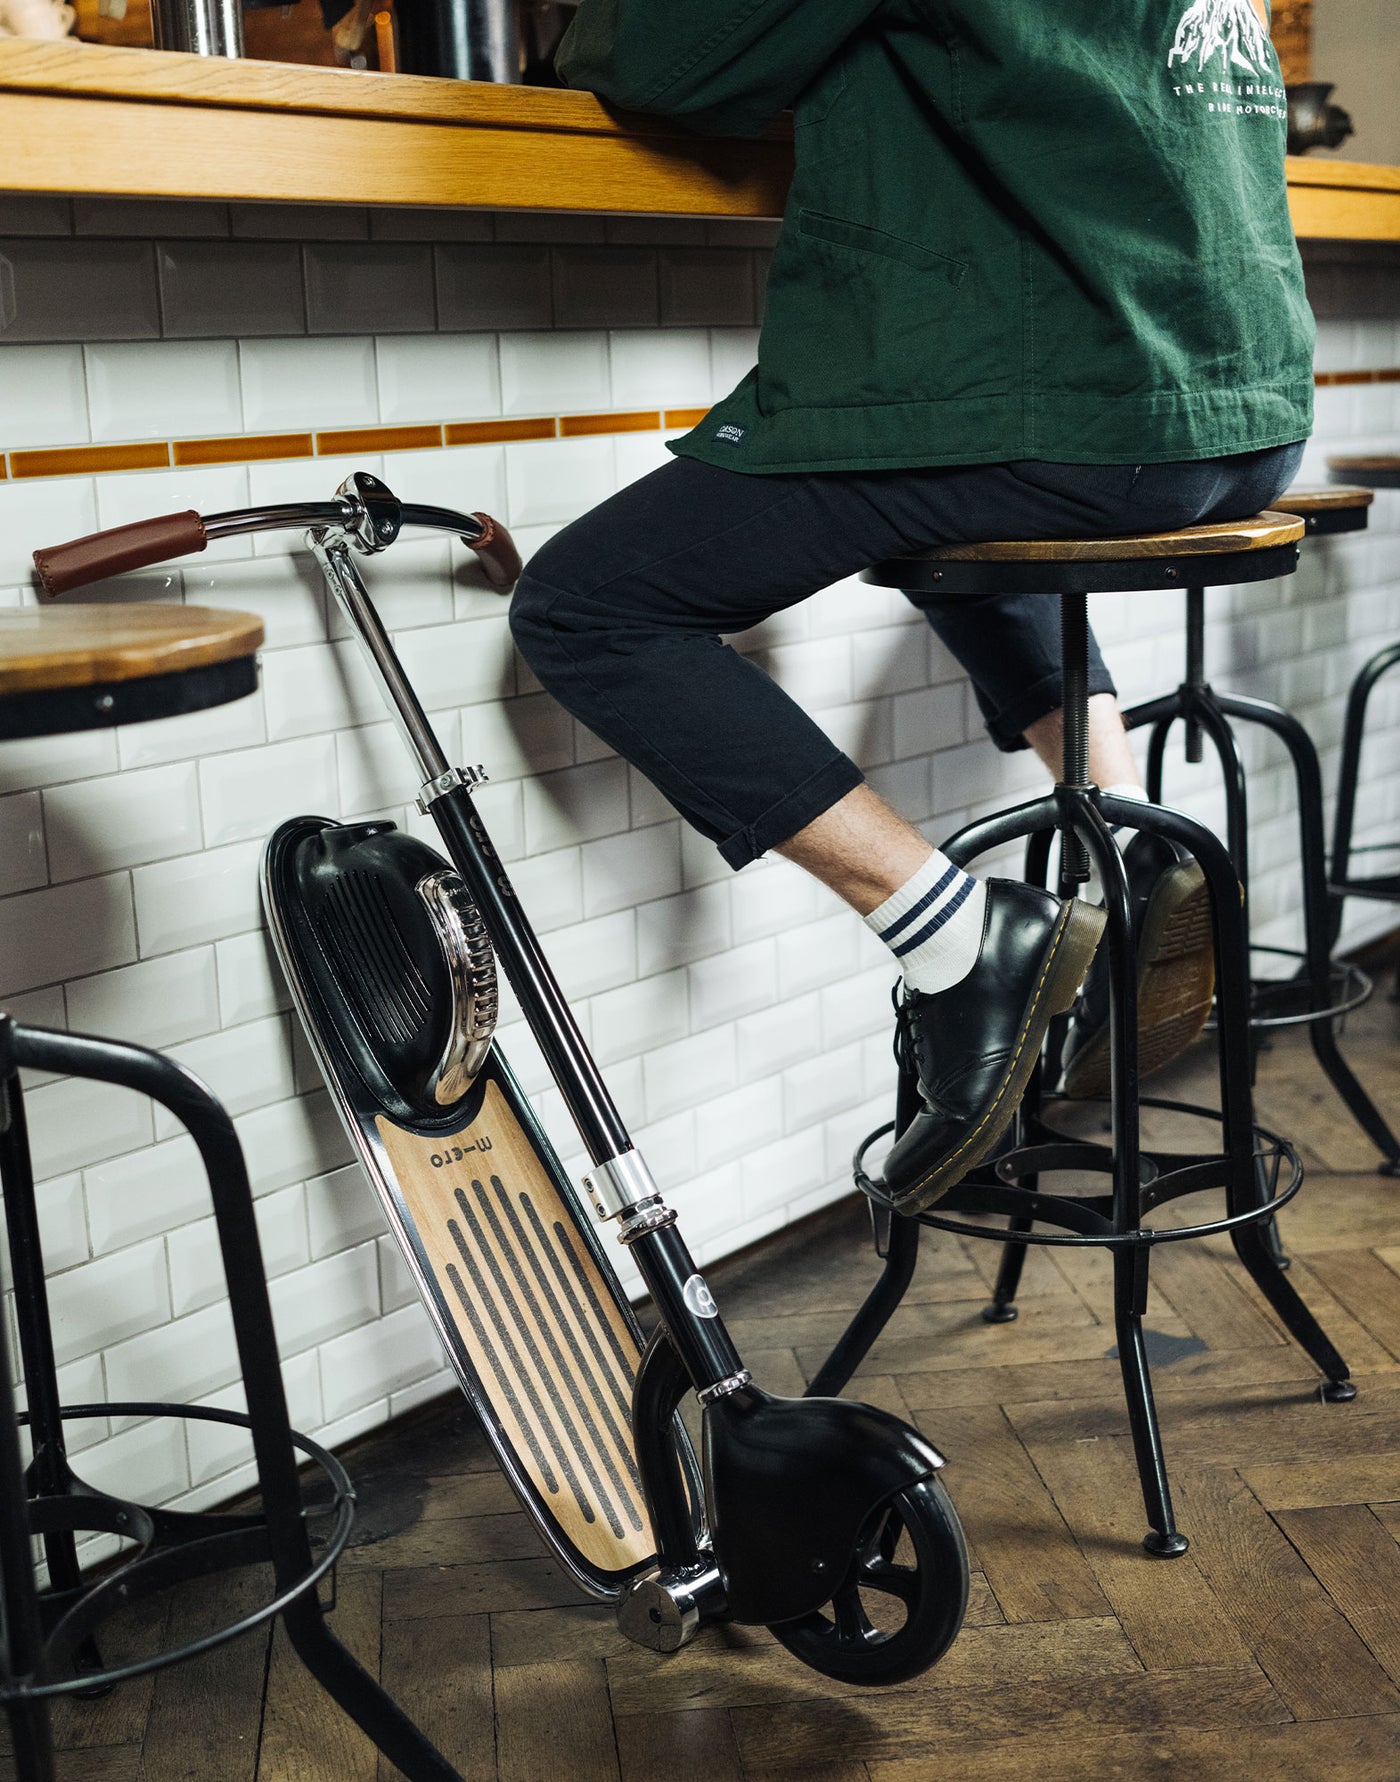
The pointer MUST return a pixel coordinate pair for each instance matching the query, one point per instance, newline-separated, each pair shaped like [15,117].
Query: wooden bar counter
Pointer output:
[77,117]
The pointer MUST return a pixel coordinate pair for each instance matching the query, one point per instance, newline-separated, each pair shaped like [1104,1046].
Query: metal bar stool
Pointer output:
[1322,989]
[1376,473]
[1257,1171]
[74,669]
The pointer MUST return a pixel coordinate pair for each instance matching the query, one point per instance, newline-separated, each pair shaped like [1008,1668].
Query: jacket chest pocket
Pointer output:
[864,240]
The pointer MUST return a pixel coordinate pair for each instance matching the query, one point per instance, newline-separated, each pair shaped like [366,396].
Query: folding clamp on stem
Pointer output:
[619,1184]
[432,790]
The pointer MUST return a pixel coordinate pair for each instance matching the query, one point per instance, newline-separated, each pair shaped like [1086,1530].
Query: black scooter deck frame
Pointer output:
[533,1320]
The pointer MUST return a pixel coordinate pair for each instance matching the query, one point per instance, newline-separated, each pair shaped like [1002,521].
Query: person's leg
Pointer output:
[1022,707]
[1111,763]
[621,617]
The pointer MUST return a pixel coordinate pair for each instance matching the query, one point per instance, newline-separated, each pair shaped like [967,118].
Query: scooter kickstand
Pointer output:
[666,1609]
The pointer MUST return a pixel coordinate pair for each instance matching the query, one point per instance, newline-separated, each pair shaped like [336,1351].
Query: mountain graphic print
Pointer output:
[1235,30]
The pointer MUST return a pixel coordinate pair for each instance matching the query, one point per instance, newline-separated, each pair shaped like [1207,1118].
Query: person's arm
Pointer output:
[722,66]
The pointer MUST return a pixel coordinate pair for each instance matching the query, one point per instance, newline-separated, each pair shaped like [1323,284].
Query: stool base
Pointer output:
[1250,1173]
[49,1650]
[1207,714]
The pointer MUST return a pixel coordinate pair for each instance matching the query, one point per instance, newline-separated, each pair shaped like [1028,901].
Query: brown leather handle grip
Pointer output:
[100,554]
[496,550]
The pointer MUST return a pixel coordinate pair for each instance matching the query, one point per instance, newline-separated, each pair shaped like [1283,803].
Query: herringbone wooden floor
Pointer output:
[1272,1647]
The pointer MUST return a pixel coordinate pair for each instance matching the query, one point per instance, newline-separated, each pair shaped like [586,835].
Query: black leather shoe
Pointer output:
[974,1045]
[1175,965]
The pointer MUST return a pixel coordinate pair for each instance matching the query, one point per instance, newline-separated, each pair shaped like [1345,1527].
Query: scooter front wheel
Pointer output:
[901,1603]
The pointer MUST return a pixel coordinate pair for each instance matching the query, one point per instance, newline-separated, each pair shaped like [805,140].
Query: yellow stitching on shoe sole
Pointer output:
[1021,1039]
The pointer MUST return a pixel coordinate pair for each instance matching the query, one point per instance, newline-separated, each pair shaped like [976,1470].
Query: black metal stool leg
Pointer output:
[288,1541]
[1164,1540]
[21,1634]
[1211,722]
[1252,1248]
[1002,1309]
[1245,1190]
[1307,775]
[346,1681]
[1161,714]
[341,1675]
[48,1474]
[1130,1263]
[881,1304]
[1353,737]
[1205,710]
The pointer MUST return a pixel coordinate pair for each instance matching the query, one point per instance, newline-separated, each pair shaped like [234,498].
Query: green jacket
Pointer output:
[1050,229]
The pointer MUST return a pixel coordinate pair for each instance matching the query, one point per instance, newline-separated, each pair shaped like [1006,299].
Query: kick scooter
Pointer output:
[820,1518]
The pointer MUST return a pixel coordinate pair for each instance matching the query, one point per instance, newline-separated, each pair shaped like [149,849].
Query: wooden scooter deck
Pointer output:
[535,1318]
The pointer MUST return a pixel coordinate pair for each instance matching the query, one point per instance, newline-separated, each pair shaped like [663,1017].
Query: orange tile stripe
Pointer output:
[641,421]
[378,439]
[253,448]
[1324,379]
[74,460]
[493,432]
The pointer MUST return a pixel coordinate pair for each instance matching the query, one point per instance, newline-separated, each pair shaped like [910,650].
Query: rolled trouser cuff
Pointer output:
[794,811]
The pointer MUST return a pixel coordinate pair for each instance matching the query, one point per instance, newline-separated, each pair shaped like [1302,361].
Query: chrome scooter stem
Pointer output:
[621,1186]
[331,549]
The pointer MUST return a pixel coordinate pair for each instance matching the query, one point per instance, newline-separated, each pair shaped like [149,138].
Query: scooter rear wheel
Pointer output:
[901,1603]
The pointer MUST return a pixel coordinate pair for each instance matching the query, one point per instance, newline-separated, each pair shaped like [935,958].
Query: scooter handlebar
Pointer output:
[495,551]
[101,554]
[92,559]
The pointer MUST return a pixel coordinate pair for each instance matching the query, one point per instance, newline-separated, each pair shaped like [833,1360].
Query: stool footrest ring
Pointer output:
[1286,1002]
[172,1549]
[1086,1220]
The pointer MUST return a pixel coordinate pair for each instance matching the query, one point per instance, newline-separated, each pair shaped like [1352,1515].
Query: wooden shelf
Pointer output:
[77,117]
[1343,200]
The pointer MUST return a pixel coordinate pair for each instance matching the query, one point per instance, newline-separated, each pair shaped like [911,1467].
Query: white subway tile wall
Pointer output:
[741,1019]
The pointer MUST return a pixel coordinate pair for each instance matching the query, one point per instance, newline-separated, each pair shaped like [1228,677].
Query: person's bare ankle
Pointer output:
[860,849]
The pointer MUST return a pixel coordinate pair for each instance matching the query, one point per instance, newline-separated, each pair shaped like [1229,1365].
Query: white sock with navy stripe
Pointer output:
[933,924]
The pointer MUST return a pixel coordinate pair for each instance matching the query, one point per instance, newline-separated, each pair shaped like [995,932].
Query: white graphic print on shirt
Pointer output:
[1236,30]
[1231,38]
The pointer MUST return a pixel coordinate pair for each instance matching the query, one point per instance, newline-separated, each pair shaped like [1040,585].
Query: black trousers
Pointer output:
[620,615]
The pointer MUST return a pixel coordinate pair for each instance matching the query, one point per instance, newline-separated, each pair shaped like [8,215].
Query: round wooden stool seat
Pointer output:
[1250,550]
[83,667]
[1379,470]
[1324,511]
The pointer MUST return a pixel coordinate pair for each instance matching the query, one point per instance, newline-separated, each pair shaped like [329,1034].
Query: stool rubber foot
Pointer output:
[1391,1167]
[1164,1546]
[999,1314]
[1337,1392]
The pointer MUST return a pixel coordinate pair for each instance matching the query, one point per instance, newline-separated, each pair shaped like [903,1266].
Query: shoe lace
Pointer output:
[906,1033]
